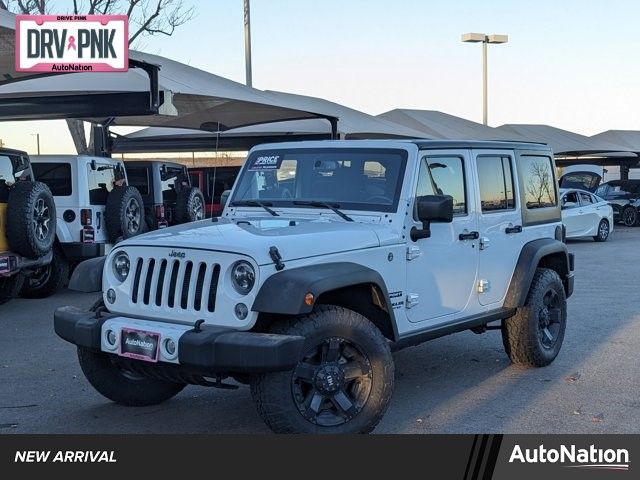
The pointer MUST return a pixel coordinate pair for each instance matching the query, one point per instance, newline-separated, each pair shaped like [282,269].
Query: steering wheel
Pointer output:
[373,198]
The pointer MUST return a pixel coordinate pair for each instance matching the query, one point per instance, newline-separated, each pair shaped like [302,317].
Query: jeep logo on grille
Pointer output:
[176,254]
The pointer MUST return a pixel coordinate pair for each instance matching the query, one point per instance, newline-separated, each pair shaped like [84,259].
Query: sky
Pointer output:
[573,64]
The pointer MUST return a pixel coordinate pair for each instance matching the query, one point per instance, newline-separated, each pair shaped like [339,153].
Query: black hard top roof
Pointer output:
[10,151]
[480,144]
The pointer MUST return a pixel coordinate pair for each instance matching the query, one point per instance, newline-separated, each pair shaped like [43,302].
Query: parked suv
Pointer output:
[95,208]
[328,256]
[169,199]
[27,223]
[213,182]
[624,197]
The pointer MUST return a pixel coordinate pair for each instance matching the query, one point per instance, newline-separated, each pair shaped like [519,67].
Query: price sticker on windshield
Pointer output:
[265,162]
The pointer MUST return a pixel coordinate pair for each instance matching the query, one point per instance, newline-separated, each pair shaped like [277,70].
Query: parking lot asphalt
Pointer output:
[463,383]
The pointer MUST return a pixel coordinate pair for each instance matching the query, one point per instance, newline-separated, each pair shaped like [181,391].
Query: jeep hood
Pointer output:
[294,238]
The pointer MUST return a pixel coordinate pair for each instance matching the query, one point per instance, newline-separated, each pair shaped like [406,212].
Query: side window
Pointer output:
[585,198]
[6,177]
[602,191]
[139,178]
[496,183]
[57,176]
[570,200]
[538,182]
[100,183]
[444,176]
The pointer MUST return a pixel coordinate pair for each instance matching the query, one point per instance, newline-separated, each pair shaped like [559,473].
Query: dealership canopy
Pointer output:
[352,124]
[439,125]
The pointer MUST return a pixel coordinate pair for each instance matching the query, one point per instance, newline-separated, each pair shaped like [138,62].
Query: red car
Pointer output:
[213,181]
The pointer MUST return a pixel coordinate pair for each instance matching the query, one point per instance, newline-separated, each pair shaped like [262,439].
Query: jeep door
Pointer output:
[500,223]
[441,270]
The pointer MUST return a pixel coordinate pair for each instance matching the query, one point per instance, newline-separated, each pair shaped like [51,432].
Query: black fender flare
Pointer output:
[530,256]
[284,292]
[87,276]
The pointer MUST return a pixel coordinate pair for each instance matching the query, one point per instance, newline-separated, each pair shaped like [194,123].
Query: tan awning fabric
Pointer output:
[439,125]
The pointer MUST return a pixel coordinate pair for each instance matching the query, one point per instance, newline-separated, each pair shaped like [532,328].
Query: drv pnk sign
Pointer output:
[72,43]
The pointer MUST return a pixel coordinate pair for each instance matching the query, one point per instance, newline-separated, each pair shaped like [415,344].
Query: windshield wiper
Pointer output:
[255,203]
[331,206]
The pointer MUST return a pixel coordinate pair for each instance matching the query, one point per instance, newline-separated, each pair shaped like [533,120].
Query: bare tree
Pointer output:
[146,17]
[540,184]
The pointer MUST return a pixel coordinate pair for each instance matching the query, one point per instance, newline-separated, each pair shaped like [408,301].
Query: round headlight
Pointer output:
[121,266]
[243,277]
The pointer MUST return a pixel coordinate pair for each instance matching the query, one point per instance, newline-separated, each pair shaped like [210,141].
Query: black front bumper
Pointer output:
[211,350]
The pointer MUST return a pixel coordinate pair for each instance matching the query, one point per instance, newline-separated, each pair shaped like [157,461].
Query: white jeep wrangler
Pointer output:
[328,256]
[95,207]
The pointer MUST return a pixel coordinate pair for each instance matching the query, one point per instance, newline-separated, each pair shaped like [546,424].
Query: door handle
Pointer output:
[516,229]
[469,236]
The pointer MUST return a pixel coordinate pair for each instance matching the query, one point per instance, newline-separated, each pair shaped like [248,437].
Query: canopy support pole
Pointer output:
[334,127]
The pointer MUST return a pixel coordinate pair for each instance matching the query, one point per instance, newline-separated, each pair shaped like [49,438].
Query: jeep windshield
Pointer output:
[349,179]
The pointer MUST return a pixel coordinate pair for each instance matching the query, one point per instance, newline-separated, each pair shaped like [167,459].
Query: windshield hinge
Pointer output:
[274,253]
[413,252]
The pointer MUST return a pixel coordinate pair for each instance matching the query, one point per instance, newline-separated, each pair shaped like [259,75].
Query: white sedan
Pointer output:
[586,215]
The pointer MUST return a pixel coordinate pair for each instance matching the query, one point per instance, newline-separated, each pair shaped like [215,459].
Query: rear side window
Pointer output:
[139,178]
[496,183]
[6,177]
[57,176]
[585,198]
[538,182]
[444,176]
[222,178]
[100,183]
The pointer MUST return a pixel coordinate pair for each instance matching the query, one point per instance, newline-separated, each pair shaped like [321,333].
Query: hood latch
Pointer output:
[276,257]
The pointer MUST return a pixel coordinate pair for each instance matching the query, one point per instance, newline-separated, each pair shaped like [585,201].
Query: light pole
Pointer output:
[484,39]
[247,43]
[37,135]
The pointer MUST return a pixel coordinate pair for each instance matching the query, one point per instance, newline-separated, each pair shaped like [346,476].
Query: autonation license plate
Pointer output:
[139,345]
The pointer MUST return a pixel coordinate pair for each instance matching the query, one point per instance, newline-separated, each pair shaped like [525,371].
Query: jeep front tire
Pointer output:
[534,335]
[343,383]
[121,385]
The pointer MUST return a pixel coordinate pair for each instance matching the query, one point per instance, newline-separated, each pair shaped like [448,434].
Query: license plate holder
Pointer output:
[139,345]
[5,264]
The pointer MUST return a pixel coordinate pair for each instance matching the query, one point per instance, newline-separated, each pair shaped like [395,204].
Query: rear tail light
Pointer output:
[160,212]
[87,234]
[86,216]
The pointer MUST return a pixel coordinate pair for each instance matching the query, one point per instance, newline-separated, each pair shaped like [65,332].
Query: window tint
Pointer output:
[57,176]
[538,182]
[585,198]
[496,183]
[443,176]
[100,184]
[139,178]
[570,200]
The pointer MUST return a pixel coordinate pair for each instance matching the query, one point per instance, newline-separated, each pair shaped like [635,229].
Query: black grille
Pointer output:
[173,283]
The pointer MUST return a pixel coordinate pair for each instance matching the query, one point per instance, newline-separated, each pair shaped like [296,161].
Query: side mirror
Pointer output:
[432,208]
[224,198]
[94,165]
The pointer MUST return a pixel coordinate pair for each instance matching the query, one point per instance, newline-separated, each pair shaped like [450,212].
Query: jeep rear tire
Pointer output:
[10,287]
[534,335]
[31,219]
[124,216]
[343,383]
[47,280]
[189,205]
[122,386]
